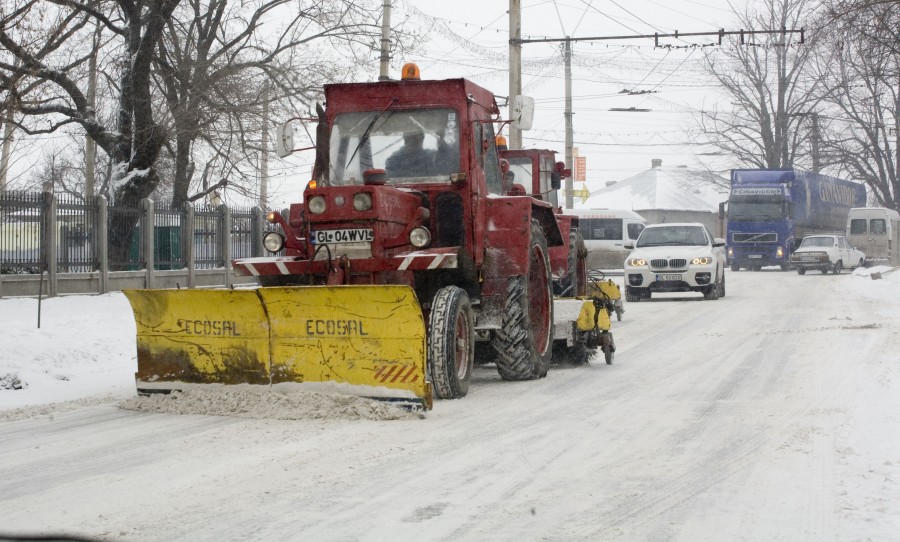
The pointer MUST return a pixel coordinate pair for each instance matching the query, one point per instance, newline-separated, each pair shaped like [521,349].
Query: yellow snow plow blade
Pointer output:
[364,340]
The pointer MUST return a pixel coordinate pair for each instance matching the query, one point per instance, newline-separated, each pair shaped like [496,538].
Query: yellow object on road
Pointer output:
[370,337]
[589,312]
[600,288]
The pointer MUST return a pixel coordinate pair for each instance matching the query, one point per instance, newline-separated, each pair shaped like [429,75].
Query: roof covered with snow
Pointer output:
[669,188]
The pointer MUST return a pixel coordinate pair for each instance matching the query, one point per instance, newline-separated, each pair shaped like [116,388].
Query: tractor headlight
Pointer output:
[420,237]
[362,201]
[273,241]
[636,262]
[316,205]
[779,252]
[702,260]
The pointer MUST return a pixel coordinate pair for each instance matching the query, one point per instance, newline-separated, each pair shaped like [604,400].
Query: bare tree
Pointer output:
[769,94]
[861,66]
[222,64]
[44,75]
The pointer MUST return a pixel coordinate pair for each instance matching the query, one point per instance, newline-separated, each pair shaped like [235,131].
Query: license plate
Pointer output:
[668,277]
[755,256]
[808,258]
[358,235]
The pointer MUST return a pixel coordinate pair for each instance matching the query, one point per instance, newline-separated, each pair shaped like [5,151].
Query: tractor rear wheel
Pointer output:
[524,342]
[451,343]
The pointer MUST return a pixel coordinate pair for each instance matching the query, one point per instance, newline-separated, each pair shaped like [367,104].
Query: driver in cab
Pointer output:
[411,160]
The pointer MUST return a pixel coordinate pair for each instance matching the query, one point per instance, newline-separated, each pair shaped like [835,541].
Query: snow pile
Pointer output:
[249,402]
[11,382]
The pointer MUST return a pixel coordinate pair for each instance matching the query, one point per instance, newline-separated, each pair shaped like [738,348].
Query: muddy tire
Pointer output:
[524,342]
[711,292]
[722,286]
[801,271]
[838,267]
[451,343]
[574,283]
[608,346]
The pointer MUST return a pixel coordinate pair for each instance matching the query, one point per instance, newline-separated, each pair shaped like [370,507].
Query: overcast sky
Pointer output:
[470,39]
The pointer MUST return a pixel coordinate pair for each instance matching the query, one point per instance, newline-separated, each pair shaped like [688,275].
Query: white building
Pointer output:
[667,194]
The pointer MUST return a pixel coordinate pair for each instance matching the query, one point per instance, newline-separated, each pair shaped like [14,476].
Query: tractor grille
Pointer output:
[674,263]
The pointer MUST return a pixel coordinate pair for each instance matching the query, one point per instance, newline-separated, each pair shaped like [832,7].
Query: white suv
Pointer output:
[675,258]
[826,253]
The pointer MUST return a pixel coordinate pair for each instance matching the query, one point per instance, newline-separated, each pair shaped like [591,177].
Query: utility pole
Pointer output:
[6,119]
[385,41]
[90,146]
[264,153]
[813,137]
[515,65]
[567,53]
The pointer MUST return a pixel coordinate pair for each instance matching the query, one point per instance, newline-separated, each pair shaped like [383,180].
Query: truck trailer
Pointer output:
[769,211]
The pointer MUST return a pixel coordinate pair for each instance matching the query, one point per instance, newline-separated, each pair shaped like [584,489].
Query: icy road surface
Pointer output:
[770,414]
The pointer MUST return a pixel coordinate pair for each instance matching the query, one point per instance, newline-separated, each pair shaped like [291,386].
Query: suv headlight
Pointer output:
[636,262]
[702,260]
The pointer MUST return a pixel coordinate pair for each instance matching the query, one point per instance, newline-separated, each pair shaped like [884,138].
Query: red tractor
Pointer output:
[408,209]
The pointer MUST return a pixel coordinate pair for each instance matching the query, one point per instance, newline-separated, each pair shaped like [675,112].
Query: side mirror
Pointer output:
[521,110]
[629,245]
[555,180]
[722,210]
[718,242]
[284,140]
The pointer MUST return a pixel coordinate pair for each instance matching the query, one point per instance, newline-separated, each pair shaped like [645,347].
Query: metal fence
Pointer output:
[42,232]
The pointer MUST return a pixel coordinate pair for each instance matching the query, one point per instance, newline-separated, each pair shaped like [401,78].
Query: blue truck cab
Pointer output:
[769,211]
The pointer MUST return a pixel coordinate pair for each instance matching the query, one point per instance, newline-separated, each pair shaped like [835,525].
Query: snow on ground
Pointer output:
[81,349]
[710,425]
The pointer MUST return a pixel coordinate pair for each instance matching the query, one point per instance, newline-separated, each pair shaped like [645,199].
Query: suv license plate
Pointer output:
[359,235]
[668,277]
[755,256]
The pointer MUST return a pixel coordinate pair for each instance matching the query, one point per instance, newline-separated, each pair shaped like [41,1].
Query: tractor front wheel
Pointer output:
[451,343]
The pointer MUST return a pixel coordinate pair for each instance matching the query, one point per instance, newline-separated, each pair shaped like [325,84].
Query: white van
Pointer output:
[876,232]
[605,233]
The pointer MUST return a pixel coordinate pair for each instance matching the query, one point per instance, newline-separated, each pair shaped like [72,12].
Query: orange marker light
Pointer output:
[410,72]
[311,184]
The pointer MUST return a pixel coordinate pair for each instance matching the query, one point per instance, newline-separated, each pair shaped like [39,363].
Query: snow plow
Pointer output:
[370,337]
[409,251]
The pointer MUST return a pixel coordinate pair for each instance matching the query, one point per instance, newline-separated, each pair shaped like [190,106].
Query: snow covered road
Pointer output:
[770,414]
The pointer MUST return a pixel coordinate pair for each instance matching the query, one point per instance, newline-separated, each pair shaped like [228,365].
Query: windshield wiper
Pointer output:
[365,134]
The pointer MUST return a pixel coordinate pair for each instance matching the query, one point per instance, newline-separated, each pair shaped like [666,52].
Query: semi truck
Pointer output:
[408,253]
[769,211]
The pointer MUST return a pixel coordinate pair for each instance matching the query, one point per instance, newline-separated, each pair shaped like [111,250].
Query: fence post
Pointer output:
[148,220]
[102,241]
[257,226]
[51,248]
[225,241]
[187,242]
